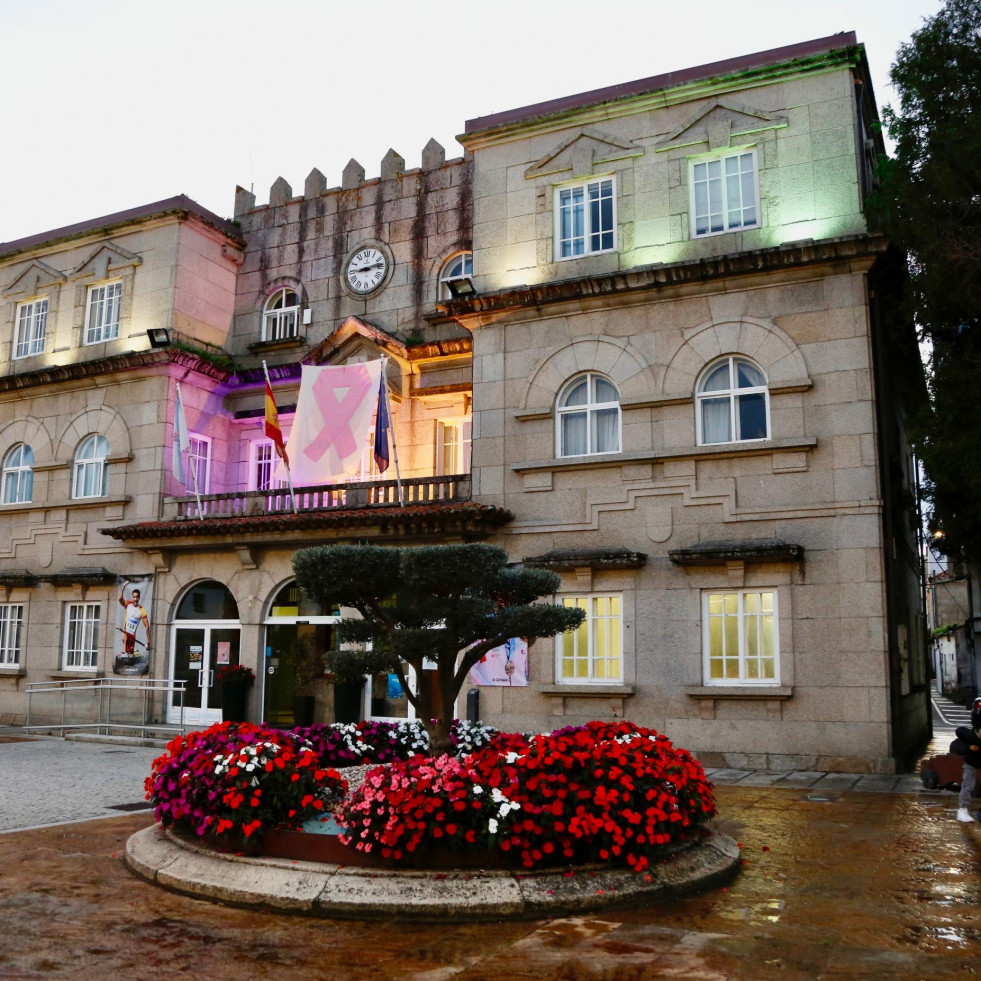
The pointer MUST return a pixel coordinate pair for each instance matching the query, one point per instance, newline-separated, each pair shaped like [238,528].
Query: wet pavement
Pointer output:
[877,885]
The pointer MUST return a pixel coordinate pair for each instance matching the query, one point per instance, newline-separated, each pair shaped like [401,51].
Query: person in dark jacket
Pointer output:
[968,745]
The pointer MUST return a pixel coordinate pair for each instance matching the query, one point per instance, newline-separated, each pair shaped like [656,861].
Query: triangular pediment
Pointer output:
[33,279]
[582,152]
[106,260]
[356,340]
[720,125]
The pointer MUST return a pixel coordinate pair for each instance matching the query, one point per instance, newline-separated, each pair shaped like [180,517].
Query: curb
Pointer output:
[349,892]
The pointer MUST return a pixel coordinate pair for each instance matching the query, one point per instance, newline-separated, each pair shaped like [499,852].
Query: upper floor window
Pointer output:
[18,475]
[262,465]
[724,193]
[199,458]
[11,625]
[732,403]
[453,441]
[593,652]
[740,638]
[457,268]
[32,319]
[588,417]
[91,472]
[102,313]
[81,643]
[585,218]
[280,317]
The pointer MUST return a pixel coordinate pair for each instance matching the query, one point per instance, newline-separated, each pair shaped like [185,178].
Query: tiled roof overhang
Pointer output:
[468,519]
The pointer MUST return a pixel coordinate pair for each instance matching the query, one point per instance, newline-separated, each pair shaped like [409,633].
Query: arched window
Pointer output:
[18,475]
[280,316]
[91,474]
[457,268]
[732,403]
[588,417]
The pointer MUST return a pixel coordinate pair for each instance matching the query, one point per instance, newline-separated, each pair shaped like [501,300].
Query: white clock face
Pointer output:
[366,270]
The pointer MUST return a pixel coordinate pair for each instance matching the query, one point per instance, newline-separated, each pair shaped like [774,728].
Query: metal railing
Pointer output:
[87,704]
[325,497]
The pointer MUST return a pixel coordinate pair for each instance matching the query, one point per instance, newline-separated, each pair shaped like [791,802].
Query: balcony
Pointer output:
[431,509]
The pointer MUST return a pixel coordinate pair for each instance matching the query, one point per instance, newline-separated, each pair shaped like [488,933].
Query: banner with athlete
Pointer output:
[133,625]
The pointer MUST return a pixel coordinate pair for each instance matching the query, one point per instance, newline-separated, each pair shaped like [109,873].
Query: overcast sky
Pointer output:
[110,104]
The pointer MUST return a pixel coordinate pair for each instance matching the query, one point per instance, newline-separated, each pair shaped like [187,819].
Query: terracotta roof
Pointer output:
[466,515]
[759,59]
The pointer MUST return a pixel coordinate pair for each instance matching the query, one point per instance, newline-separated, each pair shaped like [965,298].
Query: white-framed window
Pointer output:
[102,313]
[725,193]
[587,417]
[91,473]
[281,315]
[18,475]
[457,267]
[263,460]
[593,653]
[732,403]
[740,640]
[11,627]
[199,460]
[368,468]
[586,218]
[453,442]
[81,648]
[32,319]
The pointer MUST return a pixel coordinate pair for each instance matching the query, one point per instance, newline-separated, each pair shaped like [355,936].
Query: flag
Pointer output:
[182,441]
[333,416]
[272,425]
[381,426]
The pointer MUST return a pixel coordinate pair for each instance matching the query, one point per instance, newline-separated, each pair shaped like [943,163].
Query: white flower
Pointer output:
[477,789]
[511,757]
[492,826]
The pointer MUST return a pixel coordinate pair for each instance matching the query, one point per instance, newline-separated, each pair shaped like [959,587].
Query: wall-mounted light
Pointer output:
[159,337]
[460,287]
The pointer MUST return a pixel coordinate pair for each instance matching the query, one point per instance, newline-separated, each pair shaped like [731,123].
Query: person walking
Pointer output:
[968,745]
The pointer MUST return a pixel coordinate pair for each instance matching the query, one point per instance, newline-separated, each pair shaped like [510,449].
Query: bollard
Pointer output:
[473,705]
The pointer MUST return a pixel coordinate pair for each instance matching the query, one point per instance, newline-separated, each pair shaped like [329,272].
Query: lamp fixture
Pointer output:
[159,337]
[460,287]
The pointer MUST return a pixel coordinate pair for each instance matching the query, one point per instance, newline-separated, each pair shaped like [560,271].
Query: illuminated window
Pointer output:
[593,652]
[91,472]
[453,440]
[32,319]
[262,465]
[588,417]
[724,193]
[81,644]
[18,475]
[740,638]
[11,626]
[457,267]
[280,317]
[102,313]
[585,218]
[732,403]
[199,458]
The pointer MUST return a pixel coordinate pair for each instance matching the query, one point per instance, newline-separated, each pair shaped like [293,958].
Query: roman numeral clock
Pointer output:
[366,270]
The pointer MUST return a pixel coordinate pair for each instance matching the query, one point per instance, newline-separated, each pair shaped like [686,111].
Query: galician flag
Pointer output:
[333,417]
[182,441]
[272,429]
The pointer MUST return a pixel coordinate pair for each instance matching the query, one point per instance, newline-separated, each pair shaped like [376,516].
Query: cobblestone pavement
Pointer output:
[50,781]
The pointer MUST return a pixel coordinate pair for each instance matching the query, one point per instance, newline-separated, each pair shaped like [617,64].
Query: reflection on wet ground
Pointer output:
[861,885]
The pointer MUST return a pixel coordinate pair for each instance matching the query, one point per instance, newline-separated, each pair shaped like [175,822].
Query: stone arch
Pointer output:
[610,356]
[30,431]
[281,283]
[104,421]
[759,340]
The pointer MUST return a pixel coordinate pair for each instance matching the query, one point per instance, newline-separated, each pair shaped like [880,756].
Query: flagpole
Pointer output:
[282,454]
[391,429]
[190,461]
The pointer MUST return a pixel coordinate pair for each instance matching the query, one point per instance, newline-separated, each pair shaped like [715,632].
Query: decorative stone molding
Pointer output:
[737,551]
[570,559]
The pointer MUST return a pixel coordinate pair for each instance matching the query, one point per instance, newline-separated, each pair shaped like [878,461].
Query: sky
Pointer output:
[111,104]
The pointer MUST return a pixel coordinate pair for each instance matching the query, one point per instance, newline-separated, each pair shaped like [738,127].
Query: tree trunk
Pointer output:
[440,717]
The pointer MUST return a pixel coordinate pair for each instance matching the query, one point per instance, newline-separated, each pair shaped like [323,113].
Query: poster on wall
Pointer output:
[224,652]
[503,667]
[133,625]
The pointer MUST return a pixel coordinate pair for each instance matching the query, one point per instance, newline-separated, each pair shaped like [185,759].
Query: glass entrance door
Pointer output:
[197,654]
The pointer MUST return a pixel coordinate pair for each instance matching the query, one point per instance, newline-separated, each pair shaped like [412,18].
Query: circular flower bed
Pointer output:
[601,792]
[235,779]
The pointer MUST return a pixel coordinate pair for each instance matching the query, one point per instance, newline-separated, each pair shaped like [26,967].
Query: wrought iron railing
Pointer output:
[325,497]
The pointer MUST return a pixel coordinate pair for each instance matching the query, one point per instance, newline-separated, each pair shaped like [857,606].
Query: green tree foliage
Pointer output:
[930,205]
[446,603]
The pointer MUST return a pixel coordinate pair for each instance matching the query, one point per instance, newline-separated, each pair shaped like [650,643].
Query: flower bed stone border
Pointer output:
[339,891]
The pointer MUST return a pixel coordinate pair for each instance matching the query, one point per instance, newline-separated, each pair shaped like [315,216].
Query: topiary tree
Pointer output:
[449,604]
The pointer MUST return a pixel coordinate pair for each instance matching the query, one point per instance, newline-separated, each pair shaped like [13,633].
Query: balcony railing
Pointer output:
[326,497]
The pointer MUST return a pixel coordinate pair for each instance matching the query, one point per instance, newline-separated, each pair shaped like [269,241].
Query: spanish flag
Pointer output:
[272,425]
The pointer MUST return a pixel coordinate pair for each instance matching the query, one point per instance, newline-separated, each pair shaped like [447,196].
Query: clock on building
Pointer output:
[366,269]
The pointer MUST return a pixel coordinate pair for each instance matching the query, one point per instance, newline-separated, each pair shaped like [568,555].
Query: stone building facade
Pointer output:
[656,315]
